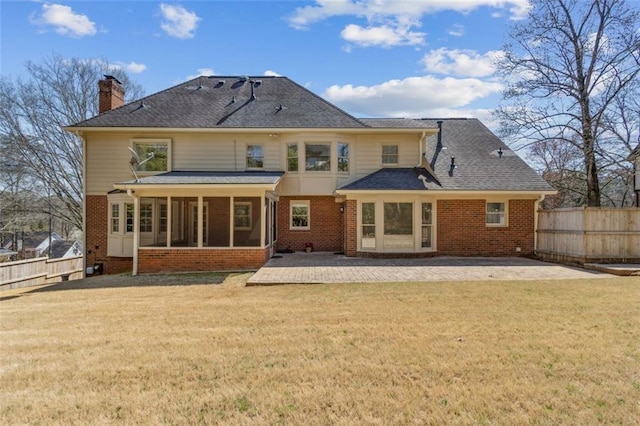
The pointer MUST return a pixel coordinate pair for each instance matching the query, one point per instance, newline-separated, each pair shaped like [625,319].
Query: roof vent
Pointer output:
[220,83]
[439,132]
[280,108]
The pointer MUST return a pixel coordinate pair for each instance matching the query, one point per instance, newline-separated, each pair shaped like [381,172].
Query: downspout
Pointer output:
[136,231]
[84,203]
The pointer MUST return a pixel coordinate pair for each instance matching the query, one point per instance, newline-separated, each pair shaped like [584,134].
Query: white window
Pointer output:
[114,218]
[368,226]
[427,222]
[146,217]
[154,154]
[318,157]
[255,157]
[300,215]
[496,214]
[129,217]
[389,155]
[343,157]
[242,215]
[398,225]
[292,157]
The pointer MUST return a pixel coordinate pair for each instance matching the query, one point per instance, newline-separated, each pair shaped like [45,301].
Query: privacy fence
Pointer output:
[38,271]
[589,235]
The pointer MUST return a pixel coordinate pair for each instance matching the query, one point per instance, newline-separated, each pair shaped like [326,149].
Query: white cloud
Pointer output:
[412,97]
[132,67]
[456,30]
[385,36]
[467,63]
[65,20]
[271,73]
[376,9]
[178,21]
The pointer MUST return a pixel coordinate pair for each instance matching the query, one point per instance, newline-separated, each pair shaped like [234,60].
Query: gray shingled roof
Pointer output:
[209,178]
[227,102]
[398,179]
[478,164]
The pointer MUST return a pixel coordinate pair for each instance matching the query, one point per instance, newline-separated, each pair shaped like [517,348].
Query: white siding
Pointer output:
[108,158]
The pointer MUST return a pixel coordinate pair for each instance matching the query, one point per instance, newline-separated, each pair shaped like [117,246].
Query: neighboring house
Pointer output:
[33,244]
[7,255]
[61,249]
[225,171]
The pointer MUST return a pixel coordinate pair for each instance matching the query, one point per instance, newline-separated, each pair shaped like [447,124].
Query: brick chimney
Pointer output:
[111,94]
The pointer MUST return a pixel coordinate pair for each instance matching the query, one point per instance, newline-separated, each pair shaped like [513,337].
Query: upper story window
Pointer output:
[255,157]
[343,157]
[389,155]
[318,157]
[153,153]
[496,214]
[292,157]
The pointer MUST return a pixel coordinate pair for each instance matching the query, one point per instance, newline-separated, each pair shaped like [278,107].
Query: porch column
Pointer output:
[263,220]
[200,217]
[169,221]
[231,216]
[136,233]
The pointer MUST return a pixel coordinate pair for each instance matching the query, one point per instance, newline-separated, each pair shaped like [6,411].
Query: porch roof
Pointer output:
[199,178]
[404,179]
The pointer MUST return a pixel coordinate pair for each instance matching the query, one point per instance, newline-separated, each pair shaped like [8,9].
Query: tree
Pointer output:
[566,67]
[58,92]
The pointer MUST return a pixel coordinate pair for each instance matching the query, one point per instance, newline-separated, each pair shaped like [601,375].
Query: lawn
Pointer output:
[529,352]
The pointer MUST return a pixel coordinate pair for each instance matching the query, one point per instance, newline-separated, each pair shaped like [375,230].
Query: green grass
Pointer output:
[530,352]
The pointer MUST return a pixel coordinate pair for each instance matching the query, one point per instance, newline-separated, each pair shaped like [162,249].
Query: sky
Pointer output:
[372,58]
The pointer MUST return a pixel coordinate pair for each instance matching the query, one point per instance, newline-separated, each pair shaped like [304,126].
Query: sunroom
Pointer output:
[170,214]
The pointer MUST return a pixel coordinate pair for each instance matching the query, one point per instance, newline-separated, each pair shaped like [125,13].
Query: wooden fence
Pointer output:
[589,235]
[38,271]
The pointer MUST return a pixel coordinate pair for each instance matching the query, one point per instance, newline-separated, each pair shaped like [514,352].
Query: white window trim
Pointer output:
[143,141]
[382,154]
[243,203]
[246,158]
[331,157]
[287,157]
[506,214]
[300,203]
[347,157]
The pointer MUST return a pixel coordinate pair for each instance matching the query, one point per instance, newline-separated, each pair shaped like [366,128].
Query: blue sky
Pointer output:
[373,58]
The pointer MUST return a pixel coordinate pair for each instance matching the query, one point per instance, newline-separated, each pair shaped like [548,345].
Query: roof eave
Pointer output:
[418,130]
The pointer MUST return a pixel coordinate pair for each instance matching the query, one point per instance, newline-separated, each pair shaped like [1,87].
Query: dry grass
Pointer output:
[564,352]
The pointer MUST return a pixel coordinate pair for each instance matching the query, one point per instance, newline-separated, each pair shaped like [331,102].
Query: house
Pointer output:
[220,173]
[62,249]
[32,244]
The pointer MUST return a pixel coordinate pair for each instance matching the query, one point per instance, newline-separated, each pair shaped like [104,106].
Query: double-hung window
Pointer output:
[496,214]
[389,155]
[300,215]
[242,216]
[255,157]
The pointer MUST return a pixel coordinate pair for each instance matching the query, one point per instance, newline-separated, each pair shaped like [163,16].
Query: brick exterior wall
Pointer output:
[326,231]
[206,259]
[462,230]
[351,228]
[96,238]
